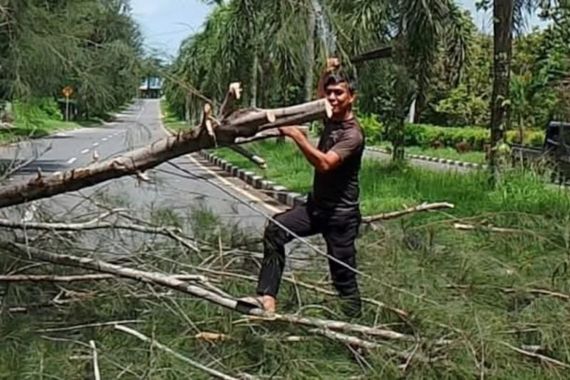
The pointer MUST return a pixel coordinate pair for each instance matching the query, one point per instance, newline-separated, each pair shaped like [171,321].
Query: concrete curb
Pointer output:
[445,161]
[275,191]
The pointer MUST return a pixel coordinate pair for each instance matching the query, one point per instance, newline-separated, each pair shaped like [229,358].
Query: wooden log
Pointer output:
[160,151]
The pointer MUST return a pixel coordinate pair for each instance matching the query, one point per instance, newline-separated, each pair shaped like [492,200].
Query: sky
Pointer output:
[165,23]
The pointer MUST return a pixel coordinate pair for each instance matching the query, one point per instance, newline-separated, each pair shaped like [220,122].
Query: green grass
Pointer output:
[170,121]
[448,153]
[449,281]
[453,279]
[383,187]
[42,128]
[472,288]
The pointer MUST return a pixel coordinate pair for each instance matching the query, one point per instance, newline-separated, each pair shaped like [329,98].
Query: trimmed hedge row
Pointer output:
[425,135]
[429,135]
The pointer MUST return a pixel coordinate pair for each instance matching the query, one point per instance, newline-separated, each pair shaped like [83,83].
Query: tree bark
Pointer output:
[503,32]
[254,69]
[310,53]
[239,124]
[398,152]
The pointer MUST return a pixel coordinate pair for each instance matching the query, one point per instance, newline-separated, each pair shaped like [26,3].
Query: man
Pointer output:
[332,208]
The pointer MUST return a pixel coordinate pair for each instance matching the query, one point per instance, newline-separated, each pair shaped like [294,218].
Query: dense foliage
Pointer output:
[448,60]
[94,46]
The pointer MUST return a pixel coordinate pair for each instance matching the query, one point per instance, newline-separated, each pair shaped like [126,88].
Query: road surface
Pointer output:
[195,185]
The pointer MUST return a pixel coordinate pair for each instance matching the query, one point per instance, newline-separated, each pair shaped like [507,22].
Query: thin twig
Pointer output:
[89,325]
[86,278]
[536,355]
[193,363]
[96,373]
[396,214]
[473,227]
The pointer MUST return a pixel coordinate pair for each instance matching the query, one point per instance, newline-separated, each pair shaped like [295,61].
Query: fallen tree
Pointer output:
[222,130]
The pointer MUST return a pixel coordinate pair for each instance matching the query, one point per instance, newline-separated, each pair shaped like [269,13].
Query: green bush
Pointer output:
[36,110]
[425,135]
[532,138]
[372,127]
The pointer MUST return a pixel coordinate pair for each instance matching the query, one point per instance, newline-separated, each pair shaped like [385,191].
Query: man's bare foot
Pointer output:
[269,304]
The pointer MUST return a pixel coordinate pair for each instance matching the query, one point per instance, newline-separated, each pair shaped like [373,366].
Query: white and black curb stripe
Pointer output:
[434,159]
[277,192]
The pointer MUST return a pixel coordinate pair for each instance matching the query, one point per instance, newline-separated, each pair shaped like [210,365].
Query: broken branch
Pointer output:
[247,124]
[85,278]
[396,214]
[472,227]
[164,348]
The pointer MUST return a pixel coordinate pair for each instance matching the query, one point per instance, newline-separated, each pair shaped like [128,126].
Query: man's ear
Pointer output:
[352,97]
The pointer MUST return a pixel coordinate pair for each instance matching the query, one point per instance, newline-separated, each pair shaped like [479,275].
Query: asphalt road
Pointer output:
[195,185]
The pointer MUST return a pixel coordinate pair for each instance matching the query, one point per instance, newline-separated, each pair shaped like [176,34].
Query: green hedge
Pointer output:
[425,135]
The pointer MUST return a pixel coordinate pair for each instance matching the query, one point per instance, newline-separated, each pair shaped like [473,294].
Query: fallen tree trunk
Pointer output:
[211,133]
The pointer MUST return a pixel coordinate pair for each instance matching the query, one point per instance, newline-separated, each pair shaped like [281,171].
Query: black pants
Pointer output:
[339,229]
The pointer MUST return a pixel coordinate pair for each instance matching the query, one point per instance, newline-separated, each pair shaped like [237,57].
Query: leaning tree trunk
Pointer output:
[226,128]
[310,53]
[503,32]
[254,75]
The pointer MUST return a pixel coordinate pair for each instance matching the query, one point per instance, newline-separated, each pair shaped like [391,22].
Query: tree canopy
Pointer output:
[94,46]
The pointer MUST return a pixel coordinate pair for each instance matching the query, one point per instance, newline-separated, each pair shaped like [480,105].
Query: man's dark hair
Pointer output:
[341,76]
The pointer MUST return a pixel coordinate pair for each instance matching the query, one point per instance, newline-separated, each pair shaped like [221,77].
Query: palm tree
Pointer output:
[508,17]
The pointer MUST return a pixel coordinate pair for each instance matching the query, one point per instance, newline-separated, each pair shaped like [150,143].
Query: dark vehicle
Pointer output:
[555,152]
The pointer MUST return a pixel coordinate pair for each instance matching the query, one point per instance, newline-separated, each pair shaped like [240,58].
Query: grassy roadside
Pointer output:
[473,288]
[41,128]
[485,292]
[383,187]
[447,153]
[169,120]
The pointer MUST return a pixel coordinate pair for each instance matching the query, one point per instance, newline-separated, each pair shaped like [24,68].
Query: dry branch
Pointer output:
[96,372]
[161,346]
[119,271]
[366,344]
[535,355]
[401,313]
[396,214]
[533,291]
[96,224]
[85,278]
[472,227]
[337,325]
[89,325]
[238,124]
[259,161]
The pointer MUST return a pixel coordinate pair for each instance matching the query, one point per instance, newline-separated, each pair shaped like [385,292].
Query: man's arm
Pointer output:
[322,162]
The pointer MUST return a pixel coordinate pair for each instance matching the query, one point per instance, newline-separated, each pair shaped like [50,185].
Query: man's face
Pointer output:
[340,98]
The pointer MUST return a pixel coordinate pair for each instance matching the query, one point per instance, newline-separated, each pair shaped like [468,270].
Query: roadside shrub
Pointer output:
[35,111]
[425,135]
[372,127]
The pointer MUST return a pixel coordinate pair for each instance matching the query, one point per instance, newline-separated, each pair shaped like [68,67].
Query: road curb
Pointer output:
[439,160]
[275,191]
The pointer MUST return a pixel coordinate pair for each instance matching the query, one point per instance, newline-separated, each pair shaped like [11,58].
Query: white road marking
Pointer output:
[72,160]
[96,144]
[234,187]
[84,151]
[104,139]
[228,183]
